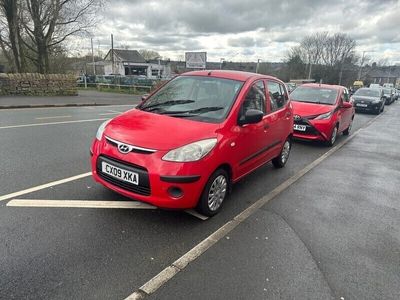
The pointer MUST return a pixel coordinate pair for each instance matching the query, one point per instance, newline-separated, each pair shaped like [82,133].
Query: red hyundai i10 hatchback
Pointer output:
[321,112]
[185,144]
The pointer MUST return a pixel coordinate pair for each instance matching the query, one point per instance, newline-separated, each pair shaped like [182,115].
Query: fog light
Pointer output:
[175,192]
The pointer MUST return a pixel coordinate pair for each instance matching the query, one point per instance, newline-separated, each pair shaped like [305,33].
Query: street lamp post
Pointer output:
[362,63]
[221,60]
[258,65]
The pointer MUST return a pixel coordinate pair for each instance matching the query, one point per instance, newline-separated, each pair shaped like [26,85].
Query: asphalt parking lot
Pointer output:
[334,232]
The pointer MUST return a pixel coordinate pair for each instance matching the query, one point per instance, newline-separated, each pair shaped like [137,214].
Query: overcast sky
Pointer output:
[239,30]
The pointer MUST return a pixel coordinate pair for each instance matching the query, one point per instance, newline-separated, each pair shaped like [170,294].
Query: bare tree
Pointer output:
[328,53]
[10,33]
[149,54]
[48,23]
[296,61]
[337,48]
[37,29]
[313,48]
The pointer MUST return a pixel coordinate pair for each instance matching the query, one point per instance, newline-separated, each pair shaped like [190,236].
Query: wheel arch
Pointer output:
[228,169]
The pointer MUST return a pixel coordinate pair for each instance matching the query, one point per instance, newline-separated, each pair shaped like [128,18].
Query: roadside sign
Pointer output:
[196,60]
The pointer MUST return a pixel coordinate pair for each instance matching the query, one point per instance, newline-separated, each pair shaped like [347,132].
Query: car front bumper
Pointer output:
[370,106]
[316,130]
[163,184]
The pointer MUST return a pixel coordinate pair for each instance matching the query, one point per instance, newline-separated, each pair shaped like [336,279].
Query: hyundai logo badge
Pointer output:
[297,117]
[124,148]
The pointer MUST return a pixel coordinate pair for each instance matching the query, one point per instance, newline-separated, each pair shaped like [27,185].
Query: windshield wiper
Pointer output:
[166,103]
[316,102]
[193,112]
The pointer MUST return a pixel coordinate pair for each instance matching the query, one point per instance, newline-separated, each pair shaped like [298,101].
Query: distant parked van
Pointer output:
[358,84]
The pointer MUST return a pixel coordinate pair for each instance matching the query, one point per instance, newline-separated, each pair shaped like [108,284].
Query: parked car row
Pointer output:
[116,79]
[186,144]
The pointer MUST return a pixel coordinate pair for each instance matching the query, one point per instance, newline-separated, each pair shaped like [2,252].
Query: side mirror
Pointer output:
[251,116]
[347,105]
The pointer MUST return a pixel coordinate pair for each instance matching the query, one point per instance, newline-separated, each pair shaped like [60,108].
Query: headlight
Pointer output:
[324,116]
[376,101]
[100,131]
[191,152]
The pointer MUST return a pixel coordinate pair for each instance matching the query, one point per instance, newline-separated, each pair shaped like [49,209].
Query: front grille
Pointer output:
[144,183]
[145,191]
[134,149]
[310,130]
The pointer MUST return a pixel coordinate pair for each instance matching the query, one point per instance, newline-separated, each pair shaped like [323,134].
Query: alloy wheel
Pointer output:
[217,192]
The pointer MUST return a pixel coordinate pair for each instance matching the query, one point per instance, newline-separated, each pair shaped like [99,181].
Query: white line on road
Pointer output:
[80,204]
[52,123]
[55,117]
[44,186]
[170,271]
[196,214]
[91,204]
[110,113]
[70,107]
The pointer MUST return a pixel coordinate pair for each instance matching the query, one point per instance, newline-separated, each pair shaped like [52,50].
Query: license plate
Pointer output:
[299,127]
[361,105]
[119,173]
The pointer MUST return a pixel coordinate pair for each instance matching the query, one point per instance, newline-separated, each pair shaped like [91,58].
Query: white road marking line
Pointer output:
[110,113]
[196,214]
[73,107]
[52,123]
[44,186]
[55,117]
[169,272]
[90,204]
[79,204]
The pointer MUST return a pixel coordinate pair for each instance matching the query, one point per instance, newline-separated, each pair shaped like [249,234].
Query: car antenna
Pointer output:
[209,73]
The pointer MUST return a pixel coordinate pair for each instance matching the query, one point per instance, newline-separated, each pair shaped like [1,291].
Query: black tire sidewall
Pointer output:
[202,205]
[277,161]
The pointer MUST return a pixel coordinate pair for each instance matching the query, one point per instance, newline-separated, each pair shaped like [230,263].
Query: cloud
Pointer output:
[247,30]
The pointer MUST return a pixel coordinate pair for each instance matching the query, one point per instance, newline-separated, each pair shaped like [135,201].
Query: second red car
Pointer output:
[321,112]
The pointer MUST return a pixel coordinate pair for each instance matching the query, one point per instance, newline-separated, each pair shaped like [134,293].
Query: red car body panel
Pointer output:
[341,116]
[240,149]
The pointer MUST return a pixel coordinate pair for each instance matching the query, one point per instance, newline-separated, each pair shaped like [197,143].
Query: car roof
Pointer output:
[229,74]
[329,86]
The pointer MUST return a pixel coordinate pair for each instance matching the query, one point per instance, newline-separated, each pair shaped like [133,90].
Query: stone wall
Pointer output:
[33,84]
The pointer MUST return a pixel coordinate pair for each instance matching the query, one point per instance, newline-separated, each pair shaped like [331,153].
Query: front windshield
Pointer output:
[367,92]
[201,98]
[318,95]
[387,91]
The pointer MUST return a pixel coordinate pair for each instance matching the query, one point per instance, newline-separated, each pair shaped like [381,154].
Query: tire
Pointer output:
[348,129]
[214,194]
[333,136]
[282,158]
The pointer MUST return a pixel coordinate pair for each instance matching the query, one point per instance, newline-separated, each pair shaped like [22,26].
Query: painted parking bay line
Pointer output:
[79,204]
[91,204]
[44,186]
[52,123]
[54,117]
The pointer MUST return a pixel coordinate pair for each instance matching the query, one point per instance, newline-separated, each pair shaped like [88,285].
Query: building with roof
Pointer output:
[130,62]
[381,75]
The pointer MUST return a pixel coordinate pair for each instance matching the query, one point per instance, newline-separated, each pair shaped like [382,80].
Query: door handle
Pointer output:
[266,126]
